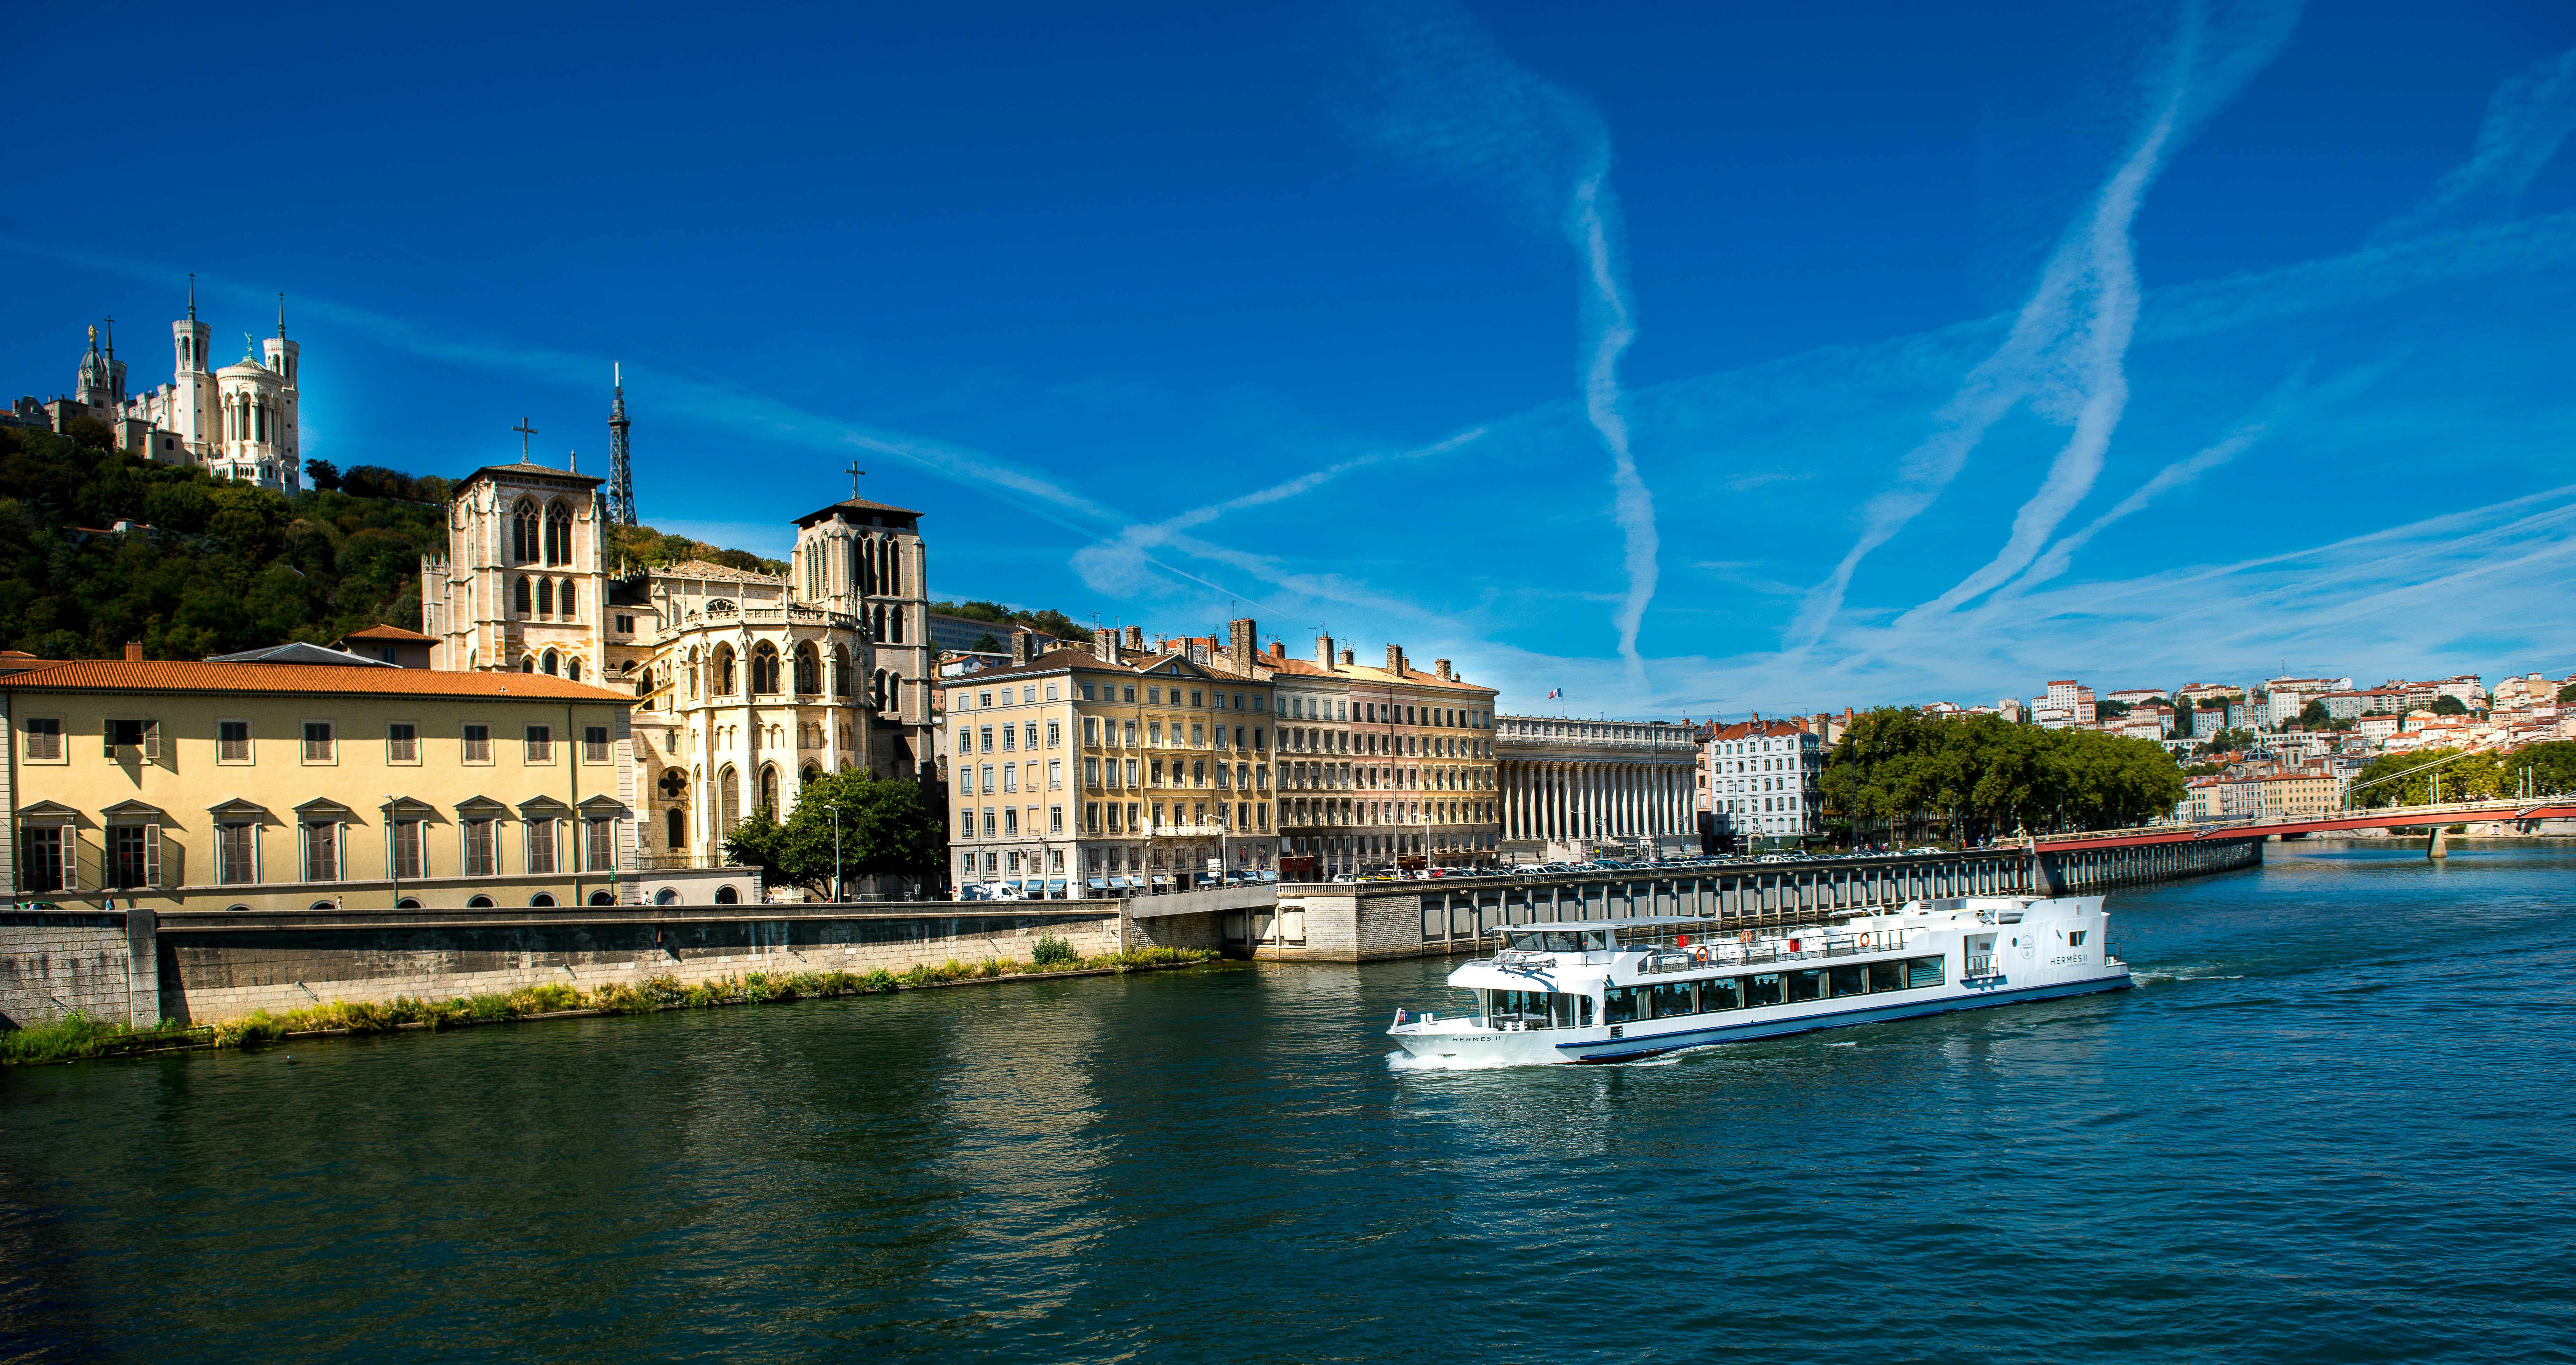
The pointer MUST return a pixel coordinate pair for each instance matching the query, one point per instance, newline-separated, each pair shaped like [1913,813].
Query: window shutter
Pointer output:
[107,739]
[152,745]
[151,853]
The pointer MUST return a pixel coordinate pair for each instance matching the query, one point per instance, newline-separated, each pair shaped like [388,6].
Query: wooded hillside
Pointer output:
[222,567]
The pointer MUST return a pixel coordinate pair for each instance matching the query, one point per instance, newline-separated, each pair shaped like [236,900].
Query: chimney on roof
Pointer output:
[1136,637]
[1324,651]
[1395,660]
[1244,639]
[1441,667]
[133,652]
[1350,658]
[1102,646]
[1021,640]
[1279,649]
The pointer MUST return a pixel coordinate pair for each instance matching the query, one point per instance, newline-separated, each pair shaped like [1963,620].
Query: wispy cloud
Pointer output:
[1445,96]
[2528,118]
[2065,350]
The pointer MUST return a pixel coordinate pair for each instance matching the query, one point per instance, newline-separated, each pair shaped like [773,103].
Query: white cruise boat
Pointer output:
[1615,990]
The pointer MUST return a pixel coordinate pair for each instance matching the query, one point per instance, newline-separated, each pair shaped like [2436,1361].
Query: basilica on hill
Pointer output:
[749,685]
[239,421]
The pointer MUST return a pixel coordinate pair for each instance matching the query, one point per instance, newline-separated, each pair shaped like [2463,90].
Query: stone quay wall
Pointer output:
[202,967]
[55,962]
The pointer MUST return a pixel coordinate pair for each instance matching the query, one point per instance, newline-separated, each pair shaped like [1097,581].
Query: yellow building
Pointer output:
[1112,770]
[209,786]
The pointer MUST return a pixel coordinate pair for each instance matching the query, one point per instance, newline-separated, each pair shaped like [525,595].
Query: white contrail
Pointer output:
[2107,271]
[1449,98]
[2079,319]
[2528,118]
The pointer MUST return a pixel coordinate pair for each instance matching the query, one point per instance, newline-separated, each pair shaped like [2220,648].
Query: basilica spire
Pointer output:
[281,317]
[192,296]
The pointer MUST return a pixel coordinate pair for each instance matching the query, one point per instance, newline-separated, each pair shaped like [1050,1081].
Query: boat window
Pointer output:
[1807,985]
[1725,993]
[1529,1009]
[1924,971]
[1762,990]
[1675,998]
[1596,940]
[1564,943]
[1620,1005]
[1844,981]
[1561,1009]
[1887,976]
[1583,1011]
[2075,938]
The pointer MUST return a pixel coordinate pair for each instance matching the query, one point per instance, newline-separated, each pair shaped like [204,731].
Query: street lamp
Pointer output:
[838,898]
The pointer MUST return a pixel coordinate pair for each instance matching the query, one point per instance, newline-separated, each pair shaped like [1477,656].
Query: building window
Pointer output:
[44,740]
[1055,819]
[407,849]
[322,851]
[236,854]
[625,625]
[594,744]
[520,598]
[481,849]
[317,742]
[232,741]
[523,539]
[599,843]
[402,743]
[134,855]
[675,823]
[541,744]
[541,846]
[44,857]
[478,743]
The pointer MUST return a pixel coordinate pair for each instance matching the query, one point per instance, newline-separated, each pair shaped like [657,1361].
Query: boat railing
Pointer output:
[1663,960]
[1979,966]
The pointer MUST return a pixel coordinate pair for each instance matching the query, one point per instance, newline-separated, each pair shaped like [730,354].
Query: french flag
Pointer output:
[1554,693]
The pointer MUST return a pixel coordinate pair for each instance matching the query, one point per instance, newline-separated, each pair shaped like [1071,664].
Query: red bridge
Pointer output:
[2517,811]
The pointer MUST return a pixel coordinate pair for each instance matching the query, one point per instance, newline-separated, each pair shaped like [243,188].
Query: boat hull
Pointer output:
[1595,1045]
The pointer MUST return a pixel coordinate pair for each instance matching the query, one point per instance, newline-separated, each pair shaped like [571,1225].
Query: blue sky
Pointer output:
[1694,359]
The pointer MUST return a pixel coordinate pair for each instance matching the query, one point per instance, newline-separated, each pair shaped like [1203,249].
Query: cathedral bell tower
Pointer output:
[192,399]
[280,355]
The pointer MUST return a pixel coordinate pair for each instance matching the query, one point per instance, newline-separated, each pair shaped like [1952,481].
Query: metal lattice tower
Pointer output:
[621,472]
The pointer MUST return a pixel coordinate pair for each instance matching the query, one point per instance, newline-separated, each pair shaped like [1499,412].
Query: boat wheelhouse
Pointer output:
[1611,990]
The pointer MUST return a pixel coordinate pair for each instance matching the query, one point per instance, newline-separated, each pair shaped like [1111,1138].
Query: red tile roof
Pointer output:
[120,675]
[390,633]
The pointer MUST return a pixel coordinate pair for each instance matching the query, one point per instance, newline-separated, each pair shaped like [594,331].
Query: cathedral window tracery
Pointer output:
[764,668]
[720,672]
[523,533]
[558,533]
[809,669]
[840,672]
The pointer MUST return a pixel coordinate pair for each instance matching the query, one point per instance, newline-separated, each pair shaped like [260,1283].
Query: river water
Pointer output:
[2332,1124]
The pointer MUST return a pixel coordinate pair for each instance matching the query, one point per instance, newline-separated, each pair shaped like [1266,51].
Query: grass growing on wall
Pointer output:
[79,1036]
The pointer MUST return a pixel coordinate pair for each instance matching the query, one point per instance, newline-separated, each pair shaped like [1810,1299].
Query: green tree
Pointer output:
[886,829]
[2448,705]
[1896,773]
[2315,716]
[2567,693]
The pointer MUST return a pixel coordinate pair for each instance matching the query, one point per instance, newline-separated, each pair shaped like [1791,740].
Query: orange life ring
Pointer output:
[1745,938]
[1699,954]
